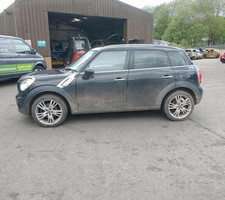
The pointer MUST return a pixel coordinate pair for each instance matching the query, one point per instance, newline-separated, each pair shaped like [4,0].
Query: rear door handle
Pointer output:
[167,77]
[119,79]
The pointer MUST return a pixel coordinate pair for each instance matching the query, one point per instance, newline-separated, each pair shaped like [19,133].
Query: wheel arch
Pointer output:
[39,64]
[188,90]
[41,90]
[49,92]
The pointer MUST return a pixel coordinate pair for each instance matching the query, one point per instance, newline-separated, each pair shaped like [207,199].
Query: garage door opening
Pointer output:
[100,31]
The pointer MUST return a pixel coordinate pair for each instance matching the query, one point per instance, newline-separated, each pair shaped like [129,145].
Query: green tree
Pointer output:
[190,22]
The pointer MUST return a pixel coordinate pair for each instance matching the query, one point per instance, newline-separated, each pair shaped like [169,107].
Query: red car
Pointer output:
[222,58]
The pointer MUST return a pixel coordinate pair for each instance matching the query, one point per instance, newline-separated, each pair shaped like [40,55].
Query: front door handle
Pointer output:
[167,77]
[119,79]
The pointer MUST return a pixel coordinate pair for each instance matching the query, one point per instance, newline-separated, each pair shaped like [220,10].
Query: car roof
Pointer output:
[138,46]
[7,36]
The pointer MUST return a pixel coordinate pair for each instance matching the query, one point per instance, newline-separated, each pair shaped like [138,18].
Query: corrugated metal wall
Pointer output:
[31,18]
[7,22]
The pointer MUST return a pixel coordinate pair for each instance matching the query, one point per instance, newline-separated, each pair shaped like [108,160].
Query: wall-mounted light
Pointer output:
[85,18]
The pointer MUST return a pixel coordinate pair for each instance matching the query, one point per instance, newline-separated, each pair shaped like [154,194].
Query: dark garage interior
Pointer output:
[95,28]
[98,30]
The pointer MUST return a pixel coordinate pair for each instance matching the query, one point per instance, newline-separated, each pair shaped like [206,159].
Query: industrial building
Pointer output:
[41,21]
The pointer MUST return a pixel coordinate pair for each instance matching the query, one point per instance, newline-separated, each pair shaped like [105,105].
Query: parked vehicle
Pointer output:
[112,79]
[18,58]
[194,54]
[211,53]
[97,43]
[222,58]
[114,39]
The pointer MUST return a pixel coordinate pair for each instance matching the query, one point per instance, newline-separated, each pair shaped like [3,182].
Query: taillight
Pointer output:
[200,76]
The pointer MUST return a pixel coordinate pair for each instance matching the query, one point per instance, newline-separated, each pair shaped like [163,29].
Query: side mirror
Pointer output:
[88,73]
[33,51]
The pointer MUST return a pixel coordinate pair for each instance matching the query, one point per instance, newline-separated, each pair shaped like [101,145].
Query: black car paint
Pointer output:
[103,93]
[14,58]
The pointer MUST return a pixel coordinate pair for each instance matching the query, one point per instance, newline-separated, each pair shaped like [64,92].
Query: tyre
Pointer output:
[49,110]
[38,68]
[178,106]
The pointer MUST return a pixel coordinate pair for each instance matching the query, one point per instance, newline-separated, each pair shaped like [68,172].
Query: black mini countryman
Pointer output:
[112,79]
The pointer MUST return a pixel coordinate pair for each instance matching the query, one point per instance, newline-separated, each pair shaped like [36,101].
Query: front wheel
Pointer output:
[49,110]
[178,106]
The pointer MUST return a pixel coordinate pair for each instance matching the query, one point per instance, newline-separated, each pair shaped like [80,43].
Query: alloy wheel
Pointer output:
[48,112]
[180,106]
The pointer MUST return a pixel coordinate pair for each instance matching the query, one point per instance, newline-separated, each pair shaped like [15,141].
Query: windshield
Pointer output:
[80,44]
[78,64]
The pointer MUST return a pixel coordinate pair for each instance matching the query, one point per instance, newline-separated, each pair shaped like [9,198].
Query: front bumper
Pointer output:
[22,107]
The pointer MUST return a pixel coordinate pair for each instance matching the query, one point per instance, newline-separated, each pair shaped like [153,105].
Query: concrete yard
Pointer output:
[117,156]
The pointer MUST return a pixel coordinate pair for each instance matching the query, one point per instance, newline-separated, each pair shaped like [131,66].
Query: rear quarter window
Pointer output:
[150,59]
[179,58]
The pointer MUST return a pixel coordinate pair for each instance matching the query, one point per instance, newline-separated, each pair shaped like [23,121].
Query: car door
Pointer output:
[149,78]
[7,58]
[25,59]
[106,89]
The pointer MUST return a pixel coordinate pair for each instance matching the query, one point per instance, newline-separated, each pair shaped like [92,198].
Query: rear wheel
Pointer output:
[49,110]
[178,106]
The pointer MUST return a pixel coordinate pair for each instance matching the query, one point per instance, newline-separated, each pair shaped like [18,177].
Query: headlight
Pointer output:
[26,83]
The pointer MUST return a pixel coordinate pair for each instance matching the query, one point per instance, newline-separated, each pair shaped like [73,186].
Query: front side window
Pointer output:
[5,46]
[109,61]
[179,58]
[150,59]
[21,47]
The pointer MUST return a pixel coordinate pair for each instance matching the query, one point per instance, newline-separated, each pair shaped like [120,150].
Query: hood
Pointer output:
[48,77]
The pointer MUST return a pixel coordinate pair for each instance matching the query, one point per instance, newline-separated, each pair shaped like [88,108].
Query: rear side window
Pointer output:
[150,59]
[179,58]
[5,46]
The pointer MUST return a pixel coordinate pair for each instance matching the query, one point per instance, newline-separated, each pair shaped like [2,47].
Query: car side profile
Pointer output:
[211,53]
[114,78]
[18,58]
